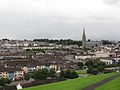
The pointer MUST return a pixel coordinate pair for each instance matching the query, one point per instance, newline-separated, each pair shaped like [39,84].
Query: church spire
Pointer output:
[84,39]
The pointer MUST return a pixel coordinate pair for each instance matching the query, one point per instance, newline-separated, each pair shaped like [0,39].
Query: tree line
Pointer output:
[61,41]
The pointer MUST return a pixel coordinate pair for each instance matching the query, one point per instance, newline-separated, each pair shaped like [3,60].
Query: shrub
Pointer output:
[108,71]
[40,74]
[4,81]
[27,77]
[69,74]
[52,72]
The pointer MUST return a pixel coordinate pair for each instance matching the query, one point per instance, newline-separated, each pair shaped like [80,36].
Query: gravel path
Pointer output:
[94,86]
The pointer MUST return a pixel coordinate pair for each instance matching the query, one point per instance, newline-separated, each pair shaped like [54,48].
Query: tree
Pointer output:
[39,50]
[89,63]
[105,42]
[45,72]
[61,41]
[52,72]
[95,67]
[28,50]
[4,81]
[40,74]
[94,71]
[8,81]
[89,40]
[27,77]
[74,75]
[62,73]
[69,74]
[80,65]
[119,63]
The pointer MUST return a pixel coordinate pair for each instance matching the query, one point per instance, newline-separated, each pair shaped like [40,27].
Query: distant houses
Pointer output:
[12,73]
[18,57]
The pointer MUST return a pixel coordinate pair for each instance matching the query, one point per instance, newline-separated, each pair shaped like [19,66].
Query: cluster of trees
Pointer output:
[61,41]
[69,74]
[105,42]
[95,67]
[4,81]
[44,74]
[41,74]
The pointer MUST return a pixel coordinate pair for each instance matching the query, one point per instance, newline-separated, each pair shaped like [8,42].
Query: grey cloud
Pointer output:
[112,2]
[44,19]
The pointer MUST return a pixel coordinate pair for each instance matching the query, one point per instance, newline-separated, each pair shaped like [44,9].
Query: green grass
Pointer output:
[75,84]
[112,85]
[81,71]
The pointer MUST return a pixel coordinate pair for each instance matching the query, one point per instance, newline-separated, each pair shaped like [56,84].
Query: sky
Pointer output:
[60,19]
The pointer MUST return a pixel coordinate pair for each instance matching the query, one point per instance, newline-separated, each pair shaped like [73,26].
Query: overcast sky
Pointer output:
[20,19]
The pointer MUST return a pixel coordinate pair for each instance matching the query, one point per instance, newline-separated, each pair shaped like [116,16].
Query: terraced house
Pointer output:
[11,73]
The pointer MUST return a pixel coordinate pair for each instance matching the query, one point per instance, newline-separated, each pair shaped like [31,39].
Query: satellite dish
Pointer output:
[19,87]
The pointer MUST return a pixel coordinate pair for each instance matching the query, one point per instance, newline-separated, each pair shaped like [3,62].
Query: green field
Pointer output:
[75,84]
[112,85]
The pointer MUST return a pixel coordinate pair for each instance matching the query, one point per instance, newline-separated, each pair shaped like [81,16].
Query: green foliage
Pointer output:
[118,63]
[93,71]
[40,74]
[27,76]
[74,84]
[105,42]
[80,65]
[39,50]
[111,65]
[95,67]
[89,63]
[52,72]
[4,81]
[28,50]
[61,41]
[8,81]
[108,71]
[43,74]
[69,74]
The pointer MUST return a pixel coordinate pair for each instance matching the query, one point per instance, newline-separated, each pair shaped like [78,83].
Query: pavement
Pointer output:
[20,82]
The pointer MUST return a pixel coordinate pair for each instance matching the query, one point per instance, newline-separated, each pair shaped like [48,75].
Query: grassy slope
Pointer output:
[112,85]
[75,84]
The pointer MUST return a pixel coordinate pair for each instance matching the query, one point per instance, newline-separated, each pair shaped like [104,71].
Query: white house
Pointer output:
[108,61]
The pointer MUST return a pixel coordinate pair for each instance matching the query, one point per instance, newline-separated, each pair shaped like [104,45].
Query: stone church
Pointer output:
[89,44]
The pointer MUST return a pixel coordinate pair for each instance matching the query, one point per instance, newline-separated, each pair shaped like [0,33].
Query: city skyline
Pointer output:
[64,19]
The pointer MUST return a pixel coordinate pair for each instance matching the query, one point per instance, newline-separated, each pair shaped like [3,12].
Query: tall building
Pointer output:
[84,39]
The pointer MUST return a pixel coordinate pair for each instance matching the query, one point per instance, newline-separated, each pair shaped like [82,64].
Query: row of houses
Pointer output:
[11,73]
[15,69]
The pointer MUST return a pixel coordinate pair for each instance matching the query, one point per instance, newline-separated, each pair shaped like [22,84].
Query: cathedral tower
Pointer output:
[84,39]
